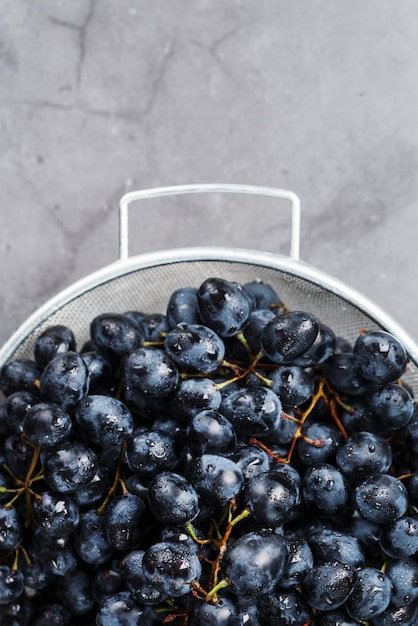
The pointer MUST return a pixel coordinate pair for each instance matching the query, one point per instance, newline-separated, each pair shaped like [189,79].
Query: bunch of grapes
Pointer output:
[229,462]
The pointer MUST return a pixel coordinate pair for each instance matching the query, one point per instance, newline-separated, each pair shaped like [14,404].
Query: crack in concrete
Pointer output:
[158,80]
[76,108]
[82,31]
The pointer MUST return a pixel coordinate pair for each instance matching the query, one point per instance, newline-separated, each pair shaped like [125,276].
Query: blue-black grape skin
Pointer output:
[105,421]
[195,348]
[379,356]
[11,584]
[371,594]
[52,341]
[226,461]
[223,306]
[255,562]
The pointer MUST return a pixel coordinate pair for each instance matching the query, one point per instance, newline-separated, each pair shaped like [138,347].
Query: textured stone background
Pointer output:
[98,97]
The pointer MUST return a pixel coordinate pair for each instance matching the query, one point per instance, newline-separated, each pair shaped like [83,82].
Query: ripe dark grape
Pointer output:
[172,499]
[382,498]
[114,335]
[399,539]
[223,306]
[216,478]
[211,433]
[121,609]
[195,348]
[149,452]
[252,411]
[150,371]
[379,356]
[172,566]
[288,336]
[182,306]
[65,380]
[362,454]
[69,466]
[272,498]
[371,594]
[56,514]
[104,420]
[325,490]
[124,521]
[255,563]
[46,424]
[11,528]
[328,586]
[11,584]
[52,341]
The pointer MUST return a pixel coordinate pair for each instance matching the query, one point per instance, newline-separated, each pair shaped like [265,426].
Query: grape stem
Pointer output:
[117,481]
[215,584]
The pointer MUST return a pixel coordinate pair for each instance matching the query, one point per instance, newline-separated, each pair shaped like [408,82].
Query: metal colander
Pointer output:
[145,282]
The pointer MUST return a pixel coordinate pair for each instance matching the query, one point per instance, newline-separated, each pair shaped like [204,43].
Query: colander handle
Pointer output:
[156,192]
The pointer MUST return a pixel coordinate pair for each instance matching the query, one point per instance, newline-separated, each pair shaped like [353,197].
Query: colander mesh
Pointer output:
[148,290]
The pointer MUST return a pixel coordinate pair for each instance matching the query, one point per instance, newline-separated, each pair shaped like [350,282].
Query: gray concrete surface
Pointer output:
[98,97]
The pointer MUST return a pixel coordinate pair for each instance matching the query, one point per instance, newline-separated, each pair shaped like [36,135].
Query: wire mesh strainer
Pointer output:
[145,282]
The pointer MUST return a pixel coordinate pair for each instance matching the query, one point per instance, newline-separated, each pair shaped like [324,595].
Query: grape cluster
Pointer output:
[230,462]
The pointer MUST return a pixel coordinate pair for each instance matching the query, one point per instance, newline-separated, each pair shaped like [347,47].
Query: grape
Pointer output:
[255,563]
[224,461]
[53,615]
[11,528]
[47,424]
[121,609]
[382,498]
[114,335]
[288,336]
[392,405]
[69,466]
[193,395]
[182,306]
[253,411]
[74,592]
[90,539]
[16,407]
[328,585]
[153,327]
[123,521]
[216,478]
[137,582]
[293,384]
[399,539]
[149,371]
[329,441]
[273,498]
[371,594]
[11,584]
[223,306]
[150,452]
[20,375]
[224,613]
[299,560]
[172,566]
[104,421]
[333,545]
[325,490]
[286,607]
[56,514]
[211,433]
[195,348]
[172,499]
[362,454]
[379,356]
[52,341]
